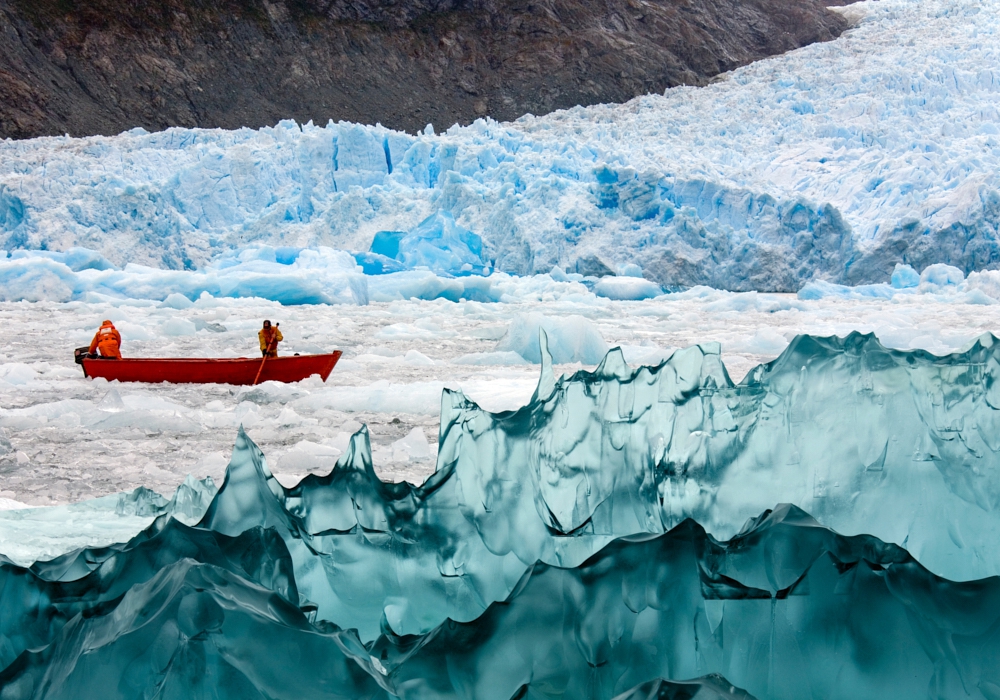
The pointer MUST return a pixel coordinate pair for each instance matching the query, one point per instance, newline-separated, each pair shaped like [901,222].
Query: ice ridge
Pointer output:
[897,444]
[833,162]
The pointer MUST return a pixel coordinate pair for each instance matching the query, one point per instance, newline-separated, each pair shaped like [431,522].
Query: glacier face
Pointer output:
[835,162]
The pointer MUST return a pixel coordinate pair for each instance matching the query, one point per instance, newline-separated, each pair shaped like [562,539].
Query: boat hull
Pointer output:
[185,370]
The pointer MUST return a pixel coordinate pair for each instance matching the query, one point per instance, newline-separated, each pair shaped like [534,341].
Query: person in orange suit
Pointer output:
[269,339]
[108,340]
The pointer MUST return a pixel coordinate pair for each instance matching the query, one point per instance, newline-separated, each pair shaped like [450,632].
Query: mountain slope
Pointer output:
[103,66]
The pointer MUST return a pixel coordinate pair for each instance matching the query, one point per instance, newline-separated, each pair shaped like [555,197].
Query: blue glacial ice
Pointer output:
[834,162]
[292,276]
[437,244]
[939,281]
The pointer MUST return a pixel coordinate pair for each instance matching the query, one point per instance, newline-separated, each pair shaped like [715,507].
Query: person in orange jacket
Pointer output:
[269,339]
[108,340]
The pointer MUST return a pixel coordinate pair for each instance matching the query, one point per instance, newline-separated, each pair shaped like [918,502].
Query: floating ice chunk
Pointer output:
[178,326]
[627,288]
[176,301]
[308,457]
[385,244]
[940,278]
[630,270]
[986,282]
[977,296]
[504,357]
[377,264]
[112,402]
[417,359]
[424,284]
[948,283]
[558,274]
[32,279]
[75,258]
[821,289]
[421,398]
[288,417]
[764,341]
[904,277]
[148,420]
[571,339]
[411,331]
[413,446]
[17,373]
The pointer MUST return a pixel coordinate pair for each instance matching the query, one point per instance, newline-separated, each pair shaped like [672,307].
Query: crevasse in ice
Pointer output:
[557,550]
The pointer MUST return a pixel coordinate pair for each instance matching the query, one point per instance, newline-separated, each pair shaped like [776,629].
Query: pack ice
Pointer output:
[834,162]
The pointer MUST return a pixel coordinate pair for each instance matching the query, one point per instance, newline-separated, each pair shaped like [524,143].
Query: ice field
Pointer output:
[67,438]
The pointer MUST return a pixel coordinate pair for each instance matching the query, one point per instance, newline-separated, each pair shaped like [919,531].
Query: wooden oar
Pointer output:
[266,355]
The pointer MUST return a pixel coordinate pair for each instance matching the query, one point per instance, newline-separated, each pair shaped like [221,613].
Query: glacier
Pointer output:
[834,162]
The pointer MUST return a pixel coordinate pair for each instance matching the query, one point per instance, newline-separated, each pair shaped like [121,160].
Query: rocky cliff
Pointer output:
[103,66]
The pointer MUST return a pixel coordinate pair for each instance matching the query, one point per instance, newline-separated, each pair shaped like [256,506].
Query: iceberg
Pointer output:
[626,288]
[567,339]
[604,540]
[859,434]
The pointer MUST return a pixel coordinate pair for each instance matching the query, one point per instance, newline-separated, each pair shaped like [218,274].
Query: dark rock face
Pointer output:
[103,66]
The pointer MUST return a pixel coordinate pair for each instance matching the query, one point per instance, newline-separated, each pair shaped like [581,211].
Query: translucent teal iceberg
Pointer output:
[901,445]
[614,536]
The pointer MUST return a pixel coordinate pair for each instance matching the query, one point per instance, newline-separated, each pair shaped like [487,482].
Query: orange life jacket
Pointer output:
[108,341]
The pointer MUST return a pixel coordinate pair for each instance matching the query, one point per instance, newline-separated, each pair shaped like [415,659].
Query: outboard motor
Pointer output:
[78,356]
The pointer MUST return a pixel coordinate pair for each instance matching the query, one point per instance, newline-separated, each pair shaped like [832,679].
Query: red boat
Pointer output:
[184,370]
